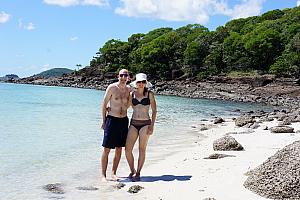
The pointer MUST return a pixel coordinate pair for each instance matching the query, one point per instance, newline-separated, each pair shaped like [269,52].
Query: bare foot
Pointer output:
[103,179]
[115,177]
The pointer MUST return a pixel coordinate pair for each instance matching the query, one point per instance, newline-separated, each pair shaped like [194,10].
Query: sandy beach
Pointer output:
[187,175]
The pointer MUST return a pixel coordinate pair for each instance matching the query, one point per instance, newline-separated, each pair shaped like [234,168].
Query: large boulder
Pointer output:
[227,143]
[279,176]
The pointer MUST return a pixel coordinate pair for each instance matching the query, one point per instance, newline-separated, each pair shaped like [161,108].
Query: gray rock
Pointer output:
[279,176]
[285,121]
[204,127]
[135,189]
[281,129]
[209,198]
[55,188]
[227,143]
[218,156]
[255,125]
[218,120]
[243,120]
[88,188]
[119,185]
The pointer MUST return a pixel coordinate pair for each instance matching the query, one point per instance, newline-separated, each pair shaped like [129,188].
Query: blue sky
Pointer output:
[37,35]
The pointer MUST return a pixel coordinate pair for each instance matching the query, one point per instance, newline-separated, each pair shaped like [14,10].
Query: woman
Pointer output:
[141,125]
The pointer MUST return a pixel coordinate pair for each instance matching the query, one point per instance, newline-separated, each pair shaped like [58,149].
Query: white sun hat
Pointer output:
[141,77]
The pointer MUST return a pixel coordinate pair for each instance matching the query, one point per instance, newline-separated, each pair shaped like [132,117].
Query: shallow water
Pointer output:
[53,135]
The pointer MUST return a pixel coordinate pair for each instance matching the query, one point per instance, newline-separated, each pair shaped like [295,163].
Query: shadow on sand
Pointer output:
[163,178]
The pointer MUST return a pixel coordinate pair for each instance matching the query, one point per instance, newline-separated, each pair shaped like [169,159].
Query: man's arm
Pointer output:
[105,101]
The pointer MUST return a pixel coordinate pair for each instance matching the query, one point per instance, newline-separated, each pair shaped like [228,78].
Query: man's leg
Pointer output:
[118,153]
[104,161]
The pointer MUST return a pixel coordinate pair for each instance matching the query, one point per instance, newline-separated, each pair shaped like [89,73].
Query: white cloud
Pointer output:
[67,3]
[298,3]
[74,38]
[30,26]
[4,17]
[188,10]
[246,9]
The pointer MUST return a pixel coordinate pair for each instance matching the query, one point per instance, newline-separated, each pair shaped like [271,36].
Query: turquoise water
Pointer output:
[52,134]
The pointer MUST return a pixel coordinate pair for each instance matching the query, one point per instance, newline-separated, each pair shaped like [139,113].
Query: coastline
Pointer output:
[266,89]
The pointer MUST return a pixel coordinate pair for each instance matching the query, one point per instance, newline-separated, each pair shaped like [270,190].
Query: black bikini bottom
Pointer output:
[138,124]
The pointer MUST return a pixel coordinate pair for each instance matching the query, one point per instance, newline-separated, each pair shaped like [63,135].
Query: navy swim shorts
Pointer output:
[115,132]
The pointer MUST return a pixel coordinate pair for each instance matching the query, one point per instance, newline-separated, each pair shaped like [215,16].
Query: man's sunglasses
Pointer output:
[144,81]
[123,75]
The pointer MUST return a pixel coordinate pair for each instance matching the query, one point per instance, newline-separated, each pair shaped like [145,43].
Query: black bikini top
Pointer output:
[144,101]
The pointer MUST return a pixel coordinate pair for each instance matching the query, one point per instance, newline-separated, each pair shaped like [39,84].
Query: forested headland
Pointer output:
[266,44]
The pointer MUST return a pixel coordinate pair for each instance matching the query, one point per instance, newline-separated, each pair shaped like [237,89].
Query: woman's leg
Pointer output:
[143,141]
[130,141]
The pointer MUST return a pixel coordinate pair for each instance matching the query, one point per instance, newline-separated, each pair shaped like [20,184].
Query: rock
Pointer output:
[227,143]
[135,189]
[279,176]
[119,185]
[55,188]
[254,125]
[204,127]
[218,156]
[284,122]
[243,120]
[218,120]
[281,129]
[209,198]
[90,188]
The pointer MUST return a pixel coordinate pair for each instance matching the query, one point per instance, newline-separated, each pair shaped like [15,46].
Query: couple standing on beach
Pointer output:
[115,122]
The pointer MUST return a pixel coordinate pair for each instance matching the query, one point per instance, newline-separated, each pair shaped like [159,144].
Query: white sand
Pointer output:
[186,175]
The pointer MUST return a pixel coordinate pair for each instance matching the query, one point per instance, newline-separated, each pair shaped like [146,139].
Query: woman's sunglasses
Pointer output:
[123,75]
[144,81]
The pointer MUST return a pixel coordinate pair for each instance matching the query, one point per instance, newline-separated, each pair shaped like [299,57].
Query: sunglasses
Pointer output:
[144,81]
[123,75]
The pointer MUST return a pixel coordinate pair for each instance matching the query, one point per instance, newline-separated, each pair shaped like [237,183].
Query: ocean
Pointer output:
[53,135]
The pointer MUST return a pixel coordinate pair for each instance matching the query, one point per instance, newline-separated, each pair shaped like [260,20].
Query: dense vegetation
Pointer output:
[269,43]
[55,72]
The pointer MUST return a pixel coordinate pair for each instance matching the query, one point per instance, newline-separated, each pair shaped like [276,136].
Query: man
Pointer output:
[115,121]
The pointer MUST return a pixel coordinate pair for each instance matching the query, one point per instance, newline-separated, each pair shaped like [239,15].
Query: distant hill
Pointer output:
[9,77]
[55,72]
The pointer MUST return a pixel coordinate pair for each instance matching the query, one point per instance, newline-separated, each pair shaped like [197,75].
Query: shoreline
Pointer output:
[264,89]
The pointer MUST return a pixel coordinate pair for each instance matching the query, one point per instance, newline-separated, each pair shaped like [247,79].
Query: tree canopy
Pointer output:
[269,43]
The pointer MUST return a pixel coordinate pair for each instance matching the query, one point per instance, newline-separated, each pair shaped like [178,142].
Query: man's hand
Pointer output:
[103,125]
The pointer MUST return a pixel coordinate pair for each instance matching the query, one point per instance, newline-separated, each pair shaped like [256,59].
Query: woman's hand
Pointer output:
[150,129]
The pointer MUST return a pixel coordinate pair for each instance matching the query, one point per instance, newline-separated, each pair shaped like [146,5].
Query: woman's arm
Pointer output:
[154,111]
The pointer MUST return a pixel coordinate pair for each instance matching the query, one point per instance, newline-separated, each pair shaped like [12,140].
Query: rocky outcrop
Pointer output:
[261,89]
[227,143]
[279,176]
